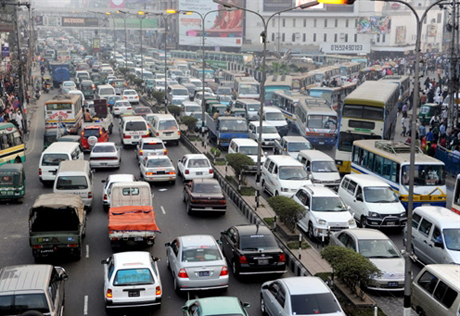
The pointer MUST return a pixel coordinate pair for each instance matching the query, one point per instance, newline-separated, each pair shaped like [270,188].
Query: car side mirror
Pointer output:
[246,305]
[105,261]
[156,259]
[167,244]
[265,286]
[438,244]
[223,232]
[307,208]
[184,309]
[103,181]
[359,197]
[219,242]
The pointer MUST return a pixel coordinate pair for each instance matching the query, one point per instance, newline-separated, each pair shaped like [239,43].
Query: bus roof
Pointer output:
[376,92]
[64,98]
[7,125]
[278,80]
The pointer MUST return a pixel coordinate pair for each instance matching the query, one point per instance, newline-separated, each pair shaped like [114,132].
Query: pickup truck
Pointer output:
[225,128]
[57,224]
[291,145]
[131,214]
[102,116]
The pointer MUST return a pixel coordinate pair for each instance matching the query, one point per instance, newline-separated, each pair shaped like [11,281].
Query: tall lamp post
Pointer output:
[140,15]
[113,25]
[408,268]
[124,19]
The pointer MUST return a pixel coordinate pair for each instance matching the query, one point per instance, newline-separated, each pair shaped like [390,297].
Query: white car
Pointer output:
[269,133]
[188,107]
[121,106]
[131,96]
[157,169]
[150,146]
[108,183]
[194,166]
[131,279]
[159,84]
[70,85]
[105,155]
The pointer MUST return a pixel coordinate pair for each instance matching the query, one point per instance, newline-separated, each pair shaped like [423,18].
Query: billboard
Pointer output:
[277,5]
[134,23]
[400,35]
[117,4]
[96,44]
[222,28]
[355,48]
[39,20]
[374,25]
[77,21]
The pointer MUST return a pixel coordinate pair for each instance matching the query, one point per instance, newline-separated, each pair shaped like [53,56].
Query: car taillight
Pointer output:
[130,108]
[109,293]
[187,172]
[141,152]
[171,172]
[145,136]
[222,201]
[158,134]
[211,171]
[90,195]
[158,291]
[165,151]
[224,271]
[116,109]
[182,273]
[282,258]
[105,197]
[125,97]
[178,132]
[150,173]
[137,97]
[126,136]
[243,260]
[39,171]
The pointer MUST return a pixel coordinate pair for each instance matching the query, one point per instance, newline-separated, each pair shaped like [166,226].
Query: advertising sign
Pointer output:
[5,51]
[277,5]
[400,35]
[432,30]
[134,23]
[96,44]
[53,20]
[39,20]
[79,22]
[374,25]
[117,4]
[344,48]
[222,28]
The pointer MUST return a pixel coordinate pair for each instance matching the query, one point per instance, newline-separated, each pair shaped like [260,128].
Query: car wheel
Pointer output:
[235,269]
[264,188]
[183,198]
[310,233]
[421,312]
[363,222]
[176,286]
[262,306]
[276,193]
[168,265]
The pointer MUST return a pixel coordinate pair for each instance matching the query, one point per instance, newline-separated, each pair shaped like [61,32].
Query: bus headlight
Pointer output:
[339,162]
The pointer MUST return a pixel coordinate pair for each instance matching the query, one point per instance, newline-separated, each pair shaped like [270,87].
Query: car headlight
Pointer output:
[322,222]
[374,214]
[315,181]
[403,214]
[351,222]
[284,190]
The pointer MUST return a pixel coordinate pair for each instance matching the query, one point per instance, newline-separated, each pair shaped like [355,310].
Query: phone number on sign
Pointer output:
[347,47]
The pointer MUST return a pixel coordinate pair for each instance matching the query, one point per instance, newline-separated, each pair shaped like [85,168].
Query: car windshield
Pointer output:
[314,304]
[328,204]
[452,239]
[204,253]
[122,103]
[267,129]
[53,159]
[167,125]
[127,92]
[380,195]
[234,125]
[224,91]
[200,187]
[135,126]
[425,175]
[71,183]
[292,173]
[193,108]
[258,242]
[248,150]
[323,166]
[245,88]
[197,115]
[104,149]
[296,147]
[322,122]
[180,92]
[158,163]
[20,303]
[142,110]
[224,98]
[378,248]
[91,132]
[274,116]
[198,163]
[133,277]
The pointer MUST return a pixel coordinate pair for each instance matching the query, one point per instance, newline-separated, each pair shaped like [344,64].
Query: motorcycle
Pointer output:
[37,94]
[46,88]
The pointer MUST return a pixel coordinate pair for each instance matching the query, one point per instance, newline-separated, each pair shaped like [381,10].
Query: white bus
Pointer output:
[246,88]
[66,109]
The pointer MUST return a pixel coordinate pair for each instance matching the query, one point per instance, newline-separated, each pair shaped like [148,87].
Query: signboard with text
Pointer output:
[96,44]
[345,48]
[134,23]
[79,22]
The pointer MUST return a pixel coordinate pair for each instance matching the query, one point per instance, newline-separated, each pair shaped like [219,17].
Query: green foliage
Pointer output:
[123,70]
[352,267]
[295,245]
[247,191]
[138,82]
[190,122]
[239,162]
[288,211]
[159,96]
[174,110]
[215,151]
[269,221]
[131,77]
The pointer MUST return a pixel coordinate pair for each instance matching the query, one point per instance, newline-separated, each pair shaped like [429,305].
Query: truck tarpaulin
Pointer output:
[132,218]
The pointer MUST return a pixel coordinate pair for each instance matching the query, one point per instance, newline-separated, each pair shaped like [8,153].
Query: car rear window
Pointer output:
[91,132]
[312,304]
[135,126]
[71,183]
[106,91]
[18,304]
[207,188]
[142,110]
[130,92]
[167,124]
[147,146]
[204,253]
[258,242]
[158,163]
[133,277]
[104,149]
[53,159]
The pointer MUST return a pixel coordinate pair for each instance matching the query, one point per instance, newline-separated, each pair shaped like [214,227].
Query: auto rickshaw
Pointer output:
[96,78]
[72,71]
[12,182]
[427,111]
[47,82]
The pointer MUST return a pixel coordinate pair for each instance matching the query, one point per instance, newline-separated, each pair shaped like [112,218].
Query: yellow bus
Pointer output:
[369,112]
[65,109]
[403,83]
[389,161]
[12,149]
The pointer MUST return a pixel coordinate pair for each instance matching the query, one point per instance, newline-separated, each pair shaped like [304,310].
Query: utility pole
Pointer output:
[21,68]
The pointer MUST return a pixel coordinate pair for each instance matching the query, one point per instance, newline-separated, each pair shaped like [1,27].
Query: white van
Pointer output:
[320,166]
[177,94]
[248,147]
[165,127]
[104,91]
[275,117]
[372,201]
[435,235]
[250,105]
[283,175]
[53,155]
[75,177]
[134,128]
[136,193]
[106,71]
[269,133]
[436,290]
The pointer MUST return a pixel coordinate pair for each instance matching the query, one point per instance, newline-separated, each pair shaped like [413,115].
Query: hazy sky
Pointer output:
[50,3]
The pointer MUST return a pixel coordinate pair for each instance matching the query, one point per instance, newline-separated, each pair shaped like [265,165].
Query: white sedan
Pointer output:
[121,106]
[105,155]
[69,85]
[131,96]
[195,166]
[157,169]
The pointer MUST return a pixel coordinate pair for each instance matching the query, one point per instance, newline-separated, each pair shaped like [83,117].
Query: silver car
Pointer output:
[196,263]
[380,250]
[105,155]
[157,169]
[150,146]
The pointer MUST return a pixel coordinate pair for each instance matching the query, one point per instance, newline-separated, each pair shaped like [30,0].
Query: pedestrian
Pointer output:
[422,131]
[442,130]
[19,120]
[403,125]
[438,98]
[404,110]
[423,98]
[429,136]
[444,115]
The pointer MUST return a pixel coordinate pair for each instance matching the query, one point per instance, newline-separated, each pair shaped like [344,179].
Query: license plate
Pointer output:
[168,134]
[134,294]
[136,137]
[103,164]
[391,223]
[160,172]
[199,173]
[208,208]
[393,284]
[203,273]
[47,251]
[138,239]
[263,261]
[321,143]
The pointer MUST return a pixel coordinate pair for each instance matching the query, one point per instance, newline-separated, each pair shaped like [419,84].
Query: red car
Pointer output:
[92,135]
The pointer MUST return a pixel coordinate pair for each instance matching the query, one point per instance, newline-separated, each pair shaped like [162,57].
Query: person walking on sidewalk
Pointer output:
[404,110]
[403,125]
[422,132]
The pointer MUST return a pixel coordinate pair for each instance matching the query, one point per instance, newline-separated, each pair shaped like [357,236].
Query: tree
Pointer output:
[190,122]
[159,96]
[239,163]
[288,211]
[352,267]
[174,110]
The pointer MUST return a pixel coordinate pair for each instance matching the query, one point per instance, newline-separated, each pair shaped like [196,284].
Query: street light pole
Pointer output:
[408,267]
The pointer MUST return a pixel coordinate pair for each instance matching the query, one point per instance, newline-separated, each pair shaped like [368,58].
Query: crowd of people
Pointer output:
[9,103]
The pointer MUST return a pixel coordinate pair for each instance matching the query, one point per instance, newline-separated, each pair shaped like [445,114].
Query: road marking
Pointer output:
[163,210]
[87,251]
[85,305]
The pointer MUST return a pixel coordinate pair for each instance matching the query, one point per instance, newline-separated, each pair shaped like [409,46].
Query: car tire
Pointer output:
[362,222]
[263,308]
[176,286]
[168,264]
[310,233]
[183,198]
[172,182]
[264,188]
[421,312]
[235,269]
[276,193]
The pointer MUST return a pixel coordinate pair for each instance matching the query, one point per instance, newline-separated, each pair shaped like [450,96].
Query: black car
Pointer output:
[204,195]
[252,249]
